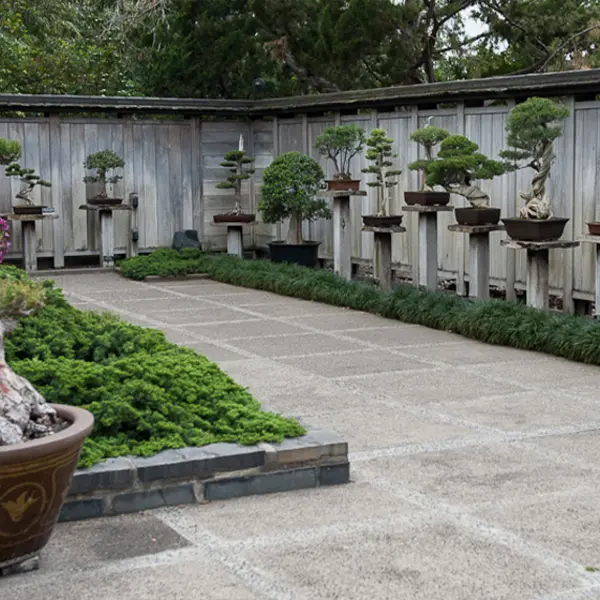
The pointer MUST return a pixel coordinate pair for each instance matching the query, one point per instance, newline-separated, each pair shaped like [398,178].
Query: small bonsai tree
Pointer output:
[341,144]
[29,180]
[428,137]
[532,128]
[380,154]
[103,162]
[237,161]
[458,164]
[290,184]
[10,152]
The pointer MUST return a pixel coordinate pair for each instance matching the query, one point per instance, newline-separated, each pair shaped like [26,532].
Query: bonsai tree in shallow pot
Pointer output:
[380,154]
[532,128]
[290,186]
[428,138]
[103,162]
[238,163]
[457,165]
[341,144]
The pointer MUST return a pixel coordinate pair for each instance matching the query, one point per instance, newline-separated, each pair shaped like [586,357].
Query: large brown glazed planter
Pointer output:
[34,480]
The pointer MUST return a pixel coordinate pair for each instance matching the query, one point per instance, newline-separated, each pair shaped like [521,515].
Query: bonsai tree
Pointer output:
[28,179]
[237,161]
[103,162]
[10,151]
[290,184]
[532,128]
[458,164]
[341,144]
[380,154]
[428,137]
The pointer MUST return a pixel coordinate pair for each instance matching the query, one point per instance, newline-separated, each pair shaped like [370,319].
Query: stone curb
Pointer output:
[199,475]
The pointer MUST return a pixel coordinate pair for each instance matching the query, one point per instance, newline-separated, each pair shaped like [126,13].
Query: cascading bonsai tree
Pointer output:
[458,164]
[428,138]
[532,128]
[380,154]
[290,186]
[341,144]
[238,163]
[103,162]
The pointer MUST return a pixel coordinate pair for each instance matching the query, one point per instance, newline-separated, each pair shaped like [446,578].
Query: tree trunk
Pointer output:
[294,235]
[537,203]
[473,193]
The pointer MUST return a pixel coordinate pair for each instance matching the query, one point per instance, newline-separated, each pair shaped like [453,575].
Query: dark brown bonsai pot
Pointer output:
[241,218]
[594,228]
[105,201]
[535,230]
[343,185]
[427,198]
[29,209]
[477,216]
[306,254]
[34,479]
[377,221]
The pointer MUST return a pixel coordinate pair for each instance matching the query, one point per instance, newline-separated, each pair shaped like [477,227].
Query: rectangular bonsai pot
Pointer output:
[477,216]
[427,198]
[26,209]
[535,230]
[306,254]
[343,185]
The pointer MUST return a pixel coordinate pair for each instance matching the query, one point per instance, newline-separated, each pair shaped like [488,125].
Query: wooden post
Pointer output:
[107,248]
[133,237]
[460,274]
[235,240]
[597,303]
[382,263]
[428,250]
[58,237]
[537,278]
[342,242]
[479,265]
[29,245]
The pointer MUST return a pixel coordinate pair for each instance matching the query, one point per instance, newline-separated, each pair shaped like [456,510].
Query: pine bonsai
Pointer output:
[103,162]
[458,164]
[29,180]
[290,184]
[532,128]
[237,161]
[428,137]
[341,144]
[380,154]
[10,151]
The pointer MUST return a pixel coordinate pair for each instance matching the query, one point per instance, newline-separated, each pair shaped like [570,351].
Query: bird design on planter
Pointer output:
[16,509]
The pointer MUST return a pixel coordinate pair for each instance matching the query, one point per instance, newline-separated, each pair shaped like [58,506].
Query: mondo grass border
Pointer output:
[495,322]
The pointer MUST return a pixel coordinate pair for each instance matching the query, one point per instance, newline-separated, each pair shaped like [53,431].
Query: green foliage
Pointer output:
[164,262]
[27,176]
[102,162]
[20,296]
[290,184]
[428,137]
[145,393]
[380,153]
[341,144]
[10,151]
[490,321]
[458,162]
[531,126]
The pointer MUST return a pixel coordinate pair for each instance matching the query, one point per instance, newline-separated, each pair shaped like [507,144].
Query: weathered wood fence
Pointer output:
[173,165]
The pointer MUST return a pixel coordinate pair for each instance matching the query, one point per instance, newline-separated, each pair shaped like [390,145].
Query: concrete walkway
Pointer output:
[475,468]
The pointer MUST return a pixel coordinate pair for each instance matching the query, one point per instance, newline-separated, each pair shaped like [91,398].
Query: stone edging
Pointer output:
[199,475]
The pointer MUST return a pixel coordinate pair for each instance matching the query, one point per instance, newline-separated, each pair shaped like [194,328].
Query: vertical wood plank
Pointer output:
[107,245]
[197,178]
[415,226]
[309,228]
[128,187]
[383,252]
[29,246]
[342,233]
[459,240]
[57,225]
[568,256]
[175,195]
[147,212]
[538,265]
[428,250]
[479,266]
[278,228]
[511,255]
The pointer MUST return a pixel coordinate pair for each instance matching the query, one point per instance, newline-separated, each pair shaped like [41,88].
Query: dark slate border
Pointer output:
[200,475]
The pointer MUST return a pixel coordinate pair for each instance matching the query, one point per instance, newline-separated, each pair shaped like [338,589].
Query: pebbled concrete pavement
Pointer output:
[475,468]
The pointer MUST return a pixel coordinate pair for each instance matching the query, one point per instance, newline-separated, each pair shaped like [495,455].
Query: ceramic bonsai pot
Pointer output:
[343,185]
[34,479]
[105,201]
[242,218]
[30,209]
[477,216]
[388,221]
[306,254]
[535,230]
[594,228]
[427,198]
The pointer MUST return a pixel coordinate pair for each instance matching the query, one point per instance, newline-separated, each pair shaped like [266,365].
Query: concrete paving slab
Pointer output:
[213,352]
[199,316]
[250,328]
[293,308]
[403,335]
[584,445]
[345,321]
[158,304]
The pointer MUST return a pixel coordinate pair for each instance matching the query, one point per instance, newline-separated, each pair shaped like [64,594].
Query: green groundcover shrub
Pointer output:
[145,393]
[491,321]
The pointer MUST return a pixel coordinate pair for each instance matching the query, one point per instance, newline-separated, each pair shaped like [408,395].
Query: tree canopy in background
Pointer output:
[257,48]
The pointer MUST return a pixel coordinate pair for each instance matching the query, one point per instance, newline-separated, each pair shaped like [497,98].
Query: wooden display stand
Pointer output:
[595,239]
[428,229]
[383,252]
[28,237]
[107,244]
[538,267]
[235,237]
[479,257]
[342,231]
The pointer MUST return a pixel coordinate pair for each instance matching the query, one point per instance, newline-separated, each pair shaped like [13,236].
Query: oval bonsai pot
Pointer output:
[388,221]
[306,254]
[427,198]
[105,201]
[28,209]
[535,230]
[34,479]
[477,216]
[343,185]
[594,228]
[242,218]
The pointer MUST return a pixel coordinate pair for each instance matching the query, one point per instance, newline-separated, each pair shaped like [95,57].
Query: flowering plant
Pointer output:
[4,238]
